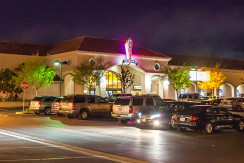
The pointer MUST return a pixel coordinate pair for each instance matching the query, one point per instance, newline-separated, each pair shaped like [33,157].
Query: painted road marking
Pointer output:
[72,148]
[45,159]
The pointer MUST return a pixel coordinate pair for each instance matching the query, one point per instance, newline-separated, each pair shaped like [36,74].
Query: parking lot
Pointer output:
[29,138]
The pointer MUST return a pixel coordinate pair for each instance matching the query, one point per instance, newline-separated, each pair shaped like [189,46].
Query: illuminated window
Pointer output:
[112,81]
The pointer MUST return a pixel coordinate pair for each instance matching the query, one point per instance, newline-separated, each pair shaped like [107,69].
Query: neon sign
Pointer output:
[128,48]
[128,51]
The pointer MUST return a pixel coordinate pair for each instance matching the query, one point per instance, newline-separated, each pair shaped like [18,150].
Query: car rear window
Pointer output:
[149,102]
[122,101]
[68,98]
[137,101]
[58,100]
[37,99]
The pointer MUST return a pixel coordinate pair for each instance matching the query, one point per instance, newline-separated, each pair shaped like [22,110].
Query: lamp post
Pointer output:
[195,69]
[56,63]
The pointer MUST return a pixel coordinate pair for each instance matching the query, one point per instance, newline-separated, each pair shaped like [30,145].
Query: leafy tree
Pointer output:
[7,87]
[89,73]
[127,79]
[35,72]
[178,77]
[216,79]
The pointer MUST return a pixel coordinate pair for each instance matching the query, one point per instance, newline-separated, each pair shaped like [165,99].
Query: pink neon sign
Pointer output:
[128,48]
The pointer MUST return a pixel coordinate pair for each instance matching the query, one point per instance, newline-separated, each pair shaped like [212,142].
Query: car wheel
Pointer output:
[58,114]
[83,114]
[240,126]
[181,129]
[37,112]
[124,121]
[238,108]
[70,116]
[208,128]
[47,111]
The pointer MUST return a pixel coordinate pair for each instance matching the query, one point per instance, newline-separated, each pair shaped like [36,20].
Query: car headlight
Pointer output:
[155,116]
[156,123]
[139,114]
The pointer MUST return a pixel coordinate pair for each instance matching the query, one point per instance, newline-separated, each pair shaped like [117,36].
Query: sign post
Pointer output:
[24,86]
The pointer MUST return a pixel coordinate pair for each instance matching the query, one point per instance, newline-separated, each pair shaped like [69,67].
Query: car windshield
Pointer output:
[112,98]
[193,110]
[37,99]
[122,101]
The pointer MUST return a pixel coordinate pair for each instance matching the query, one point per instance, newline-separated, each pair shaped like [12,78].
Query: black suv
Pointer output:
[207,118]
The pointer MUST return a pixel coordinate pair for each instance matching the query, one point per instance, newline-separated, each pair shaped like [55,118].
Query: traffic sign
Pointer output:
[24,85]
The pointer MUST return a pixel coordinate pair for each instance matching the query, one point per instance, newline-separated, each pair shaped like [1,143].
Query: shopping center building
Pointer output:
[144,63]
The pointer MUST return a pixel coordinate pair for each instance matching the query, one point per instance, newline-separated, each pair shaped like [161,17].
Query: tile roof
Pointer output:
[206,61]
[96,44]
[22,48]
[93,44]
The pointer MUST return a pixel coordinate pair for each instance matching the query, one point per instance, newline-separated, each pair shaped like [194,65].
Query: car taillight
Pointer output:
[39,103]
[174,117]
[130,109]
[73,106]
[231,103]
[192,118]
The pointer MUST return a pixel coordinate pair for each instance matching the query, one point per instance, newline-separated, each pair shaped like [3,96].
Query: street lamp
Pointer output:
[195,69]
[56,63]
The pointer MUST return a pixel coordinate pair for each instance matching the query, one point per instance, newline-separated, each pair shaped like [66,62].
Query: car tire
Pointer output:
[84,115]
[47,111]
[240,126]
[37,113]
[58,114]
[238,108]
[208,128]
[124,121]
[70,116]
[181,129]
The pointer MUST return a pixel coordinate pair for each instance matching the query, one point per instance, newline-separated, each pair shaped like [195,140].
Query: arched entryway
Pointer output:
[226,90]
[240,91]
[113,84]
[68,84]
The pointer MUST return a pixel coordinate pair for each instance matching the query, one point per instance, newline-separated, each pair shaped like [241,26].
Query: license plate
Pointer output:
[120,109]
[182,119]
[143,120]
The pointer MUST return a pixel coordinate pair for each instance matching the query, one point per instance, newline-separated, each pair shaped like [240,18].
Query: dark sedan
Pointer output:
[161,118]
[208,119]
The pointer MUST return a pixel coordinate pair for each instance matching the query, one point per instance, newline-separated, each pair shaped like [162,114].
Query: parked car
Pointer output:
[42,104]
[228,103]
[208,119]
[238,104]
[84,106]
[127,107]
[161,118]
[212,101]
[56,105]
[113,97]
[190,97]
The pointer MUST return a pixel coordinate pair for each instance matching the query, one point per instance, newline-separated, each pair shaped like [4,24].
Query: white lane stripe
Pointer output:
[76,149]
[26,147]
[44,159]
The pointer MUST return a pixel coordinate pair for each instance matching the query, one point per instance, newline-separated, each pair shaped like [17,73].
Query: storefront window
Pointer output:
[113,82]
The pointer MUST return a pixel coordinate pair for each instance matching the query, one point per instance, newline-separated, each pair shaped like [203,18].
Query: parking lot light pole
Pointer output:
[56,63]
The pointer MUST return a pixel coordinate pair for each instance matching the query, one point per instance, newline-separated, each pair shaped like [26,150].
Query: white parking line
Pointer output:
[45,159]
[72,148]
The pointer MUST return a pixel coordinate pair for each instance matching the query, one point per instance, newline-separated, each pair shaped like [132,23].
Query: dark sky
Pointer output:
[196,27]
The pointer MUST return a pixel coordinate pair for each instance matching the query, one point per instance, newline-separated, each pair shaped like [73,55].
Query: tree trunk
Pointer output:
[176,91]
[212,93]
[36,92]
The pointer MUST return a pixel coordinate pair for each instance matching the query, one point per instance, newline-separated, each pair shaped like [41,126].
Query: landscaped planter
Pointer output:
[13,104]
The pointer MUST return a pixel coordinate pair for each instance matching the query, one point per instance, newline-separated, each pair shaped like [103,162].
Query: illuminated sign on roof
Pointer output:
[128,51]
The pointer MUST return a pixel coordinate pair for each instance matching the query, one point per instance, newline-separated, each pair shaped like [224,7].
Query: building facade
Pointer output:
[142,62]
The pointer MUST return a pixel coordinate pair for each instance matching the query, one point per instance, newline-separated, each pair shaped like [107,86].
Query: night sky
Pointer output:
[197,27]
